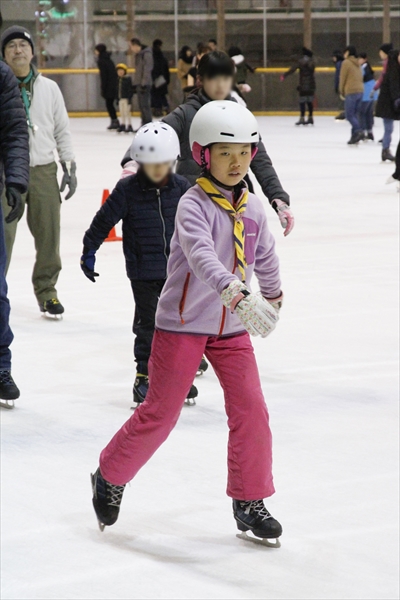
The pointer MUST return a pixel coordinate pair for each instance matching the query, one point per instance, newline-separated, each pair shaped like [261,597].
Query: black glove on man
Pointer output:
[69,178]
[14,200]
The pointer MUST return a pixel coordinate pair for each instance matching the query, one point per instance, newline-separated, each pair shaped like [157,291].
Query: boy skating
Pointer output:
[221,238]
[146,203]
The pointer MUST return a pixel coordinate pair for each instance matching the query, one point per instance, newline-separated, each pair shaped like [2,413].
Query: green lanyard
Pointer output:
[26,98]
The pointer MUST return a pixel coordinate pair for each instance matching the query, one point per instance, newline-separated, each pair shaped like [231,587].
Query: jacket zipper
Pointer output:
[183,298]
[163,222]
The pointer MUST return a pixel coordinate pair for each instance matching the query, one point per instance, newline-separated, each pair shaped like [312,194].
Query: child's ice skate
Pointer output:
[202,368]
[254,517]
[107,500]
[192,395]
[141,386]
[8,389]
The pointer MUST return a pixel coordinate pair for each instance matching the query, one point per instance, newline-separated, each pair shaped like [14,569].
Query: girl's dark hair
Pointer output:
[214,64]
[362,55]
[101,48]
[234,51]
[157,43]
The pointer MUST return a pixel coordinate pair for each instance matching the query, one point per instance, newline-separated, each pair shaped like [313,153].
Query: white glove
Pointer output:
[257,315]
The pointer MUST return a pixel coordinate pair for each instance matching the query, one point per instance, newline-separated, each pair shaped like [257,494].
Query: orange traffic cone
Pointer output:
[112,236]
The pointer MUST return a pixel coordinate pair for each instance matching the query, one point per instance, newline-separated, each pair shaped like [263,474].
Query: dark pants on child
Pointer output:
[110,105]
[306,101]
[366,115]
[146,295]
[351,105]
[6,336]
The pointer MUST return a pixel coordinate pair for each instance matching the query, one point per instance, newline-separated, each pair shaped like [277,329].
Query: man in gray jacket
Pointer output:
[48,126]
[142,80]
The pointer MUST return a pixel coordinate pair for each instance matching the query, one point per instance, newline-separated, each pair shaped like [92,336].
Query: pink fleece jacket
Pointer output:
[202,264]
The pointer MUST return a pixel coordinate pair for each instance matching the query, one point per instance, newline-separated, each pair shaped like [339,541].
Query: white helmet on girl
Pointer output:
[221,121]
[155,142]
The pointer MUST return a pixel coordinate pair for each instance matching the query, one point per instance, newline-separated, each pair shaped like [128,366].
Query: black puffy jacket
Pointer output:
[148,222]
[389,92]
[306,67]
[14,140]
[108,76]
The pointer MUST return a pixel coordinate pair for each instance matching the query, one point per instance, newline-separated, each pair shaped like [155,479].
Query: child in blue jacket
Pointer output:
[366,114]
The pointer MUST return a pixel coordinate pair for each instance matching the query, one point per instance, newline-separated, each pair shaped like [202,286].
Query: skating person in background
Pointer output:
[212,45]
[396,174]
[125,93]
[221,238]
[387,105]
[337,58]
[108,82]
[143,80]
[383,55]
[192,79]
[48,125]
[146,203]
[161,79]
[14,164]
[184,65]
[306,87]
[241,69]
[366,114]
[351,88]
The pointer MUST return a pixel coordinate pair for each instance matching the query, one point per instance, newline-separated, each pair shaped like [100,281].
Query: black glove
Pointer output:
[88,260]
[69,178]
[134,89]
[145,88]
[14,200]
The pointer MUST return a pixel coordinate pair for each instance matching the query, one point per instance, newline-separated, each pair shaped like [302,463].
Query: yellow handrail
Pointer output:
[174,70]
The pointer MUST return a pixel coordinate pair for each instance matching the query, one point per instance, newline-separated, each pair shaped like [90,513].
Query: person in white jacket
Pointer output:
[48,125]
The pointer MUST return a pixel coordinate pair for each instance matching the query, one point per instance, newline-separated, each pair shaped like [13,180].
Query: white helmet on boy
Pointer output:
[155,142]
[221,121]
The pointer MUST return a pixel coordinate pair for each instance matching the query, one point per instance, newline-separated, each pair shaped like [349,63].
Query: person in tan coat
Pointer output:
[351,87]
[184,64]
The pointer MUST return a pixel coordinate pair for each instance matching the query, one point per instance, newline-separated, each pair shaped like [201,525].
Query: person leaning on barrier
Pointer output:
[48,126]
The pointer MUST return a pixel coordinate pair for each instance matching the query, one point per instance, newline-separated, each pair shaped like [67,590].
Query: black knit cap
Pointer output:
[386,48]
[15,32]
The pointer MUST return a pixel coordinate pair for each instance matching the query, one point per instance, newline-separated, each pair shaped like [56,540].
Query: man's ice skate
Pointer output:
[107,500]
[202,368]
[8,389]
[253,517]
[52,309]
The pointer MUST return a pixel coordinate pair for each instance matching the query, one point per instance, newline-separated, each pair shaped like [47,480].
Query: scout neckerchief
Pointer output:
[26,97]
[235,212]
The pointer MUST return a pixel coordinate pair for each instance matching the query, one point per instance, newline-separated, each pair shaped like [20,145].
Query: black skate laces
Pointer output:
[5,377]
[258,507]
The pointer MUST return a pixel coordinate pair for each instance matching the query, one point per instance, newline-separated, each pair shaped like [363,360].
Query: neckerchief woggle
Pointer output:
[236,215]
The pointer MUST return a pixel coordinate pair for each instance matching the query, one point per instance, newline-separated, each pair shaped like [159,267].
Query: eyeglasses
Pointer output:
[18,44]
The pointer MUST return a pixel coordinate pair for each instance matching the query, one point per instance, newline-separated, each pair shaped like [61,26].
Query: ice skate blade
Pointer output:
[199,373]
[260,541]
[190,402]
[49,317]
[9,404]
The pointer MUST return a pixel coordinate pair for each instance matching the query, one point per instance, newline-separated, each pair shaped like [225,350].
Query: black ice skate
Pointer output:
[387,155]
[254,517]
[8,389]
[52,308]
[129,129]
[114,124]
[121,129]
[140,388]
[192,395]
[310,121]
[301,121]
[356,138]
[202,368]
[107,500]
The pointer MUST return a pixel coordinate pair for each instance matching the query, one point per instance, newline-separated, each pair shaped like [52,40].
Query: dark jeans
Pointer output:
[351,106]
[159,100]
[366,115]
[144,98]
[6,336]
[146,295]
[110,105]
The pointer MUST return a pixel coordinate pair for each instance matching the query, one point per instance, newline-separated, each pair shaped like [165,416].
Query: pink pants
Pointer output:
[173,364]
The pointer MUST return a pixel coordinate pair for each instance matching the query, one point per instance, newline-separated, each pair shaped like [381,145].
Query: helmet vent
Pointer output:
[151,148]
[254,133]
[229,134]
[141,147]
[155,131]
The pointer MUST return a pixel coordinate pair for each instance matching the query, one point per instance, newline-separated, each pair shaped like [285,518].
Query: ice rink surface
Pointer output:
[329,374]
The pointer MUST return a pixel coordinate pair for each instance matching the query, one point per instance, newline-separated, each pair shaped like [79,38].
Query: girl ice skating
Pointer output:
[207,307]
